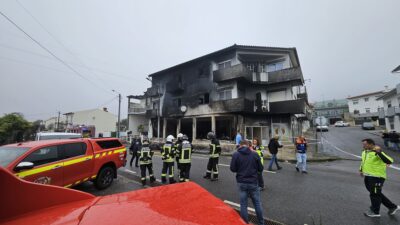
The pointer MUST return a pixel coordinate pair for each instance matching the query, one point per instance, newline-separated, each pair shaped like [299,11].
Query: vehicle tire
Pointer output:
[104,178]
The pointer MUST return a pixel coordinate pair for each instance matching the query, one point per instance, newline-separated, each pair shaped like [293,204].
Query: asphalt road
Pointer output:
[332,192]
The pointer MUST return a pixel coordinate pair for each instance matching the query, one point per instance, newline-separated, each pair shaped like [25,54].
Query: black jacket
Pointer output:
[246,164]
[273,146]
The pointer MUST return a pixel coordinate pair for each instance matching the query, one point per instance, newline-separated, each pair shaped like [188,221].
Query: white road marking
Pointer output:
[129,171]
[237,205]
[357,156]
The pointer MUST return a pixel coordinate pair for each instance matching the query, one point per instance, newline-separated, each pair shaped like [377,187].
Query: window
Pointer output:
[225,94]
[44,155]
[274,67]
[366,99]
[356,111]
[109,144]
[177,102]
[389,103]
[74,149]
[367,110]
[225,64]
[204,99]
[9,154]
[355,102]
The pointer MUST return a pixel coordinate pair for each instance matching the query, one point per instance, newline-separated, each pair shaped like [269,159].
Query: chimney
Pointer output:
[105,109]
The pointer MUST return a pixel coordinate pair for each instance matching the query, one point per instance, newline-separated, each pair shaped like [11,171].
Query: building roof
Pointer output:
[396,70]
[388,94]
[368,94]
[230,48]
[136,96]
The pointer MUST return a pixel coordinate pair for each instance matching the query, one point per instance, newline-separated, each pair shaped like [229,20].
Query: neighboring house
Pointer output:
[391,113]
[366,107]
[137,121]
[256,90]
[334,110]
[96,120]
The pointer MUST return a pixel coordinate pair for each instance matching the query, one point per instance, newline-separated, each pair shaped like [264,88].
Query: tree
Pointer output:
[13,128]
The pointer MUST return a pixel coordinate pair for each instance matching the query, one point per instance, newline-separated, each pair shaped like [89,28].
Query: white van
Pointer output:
[56,135]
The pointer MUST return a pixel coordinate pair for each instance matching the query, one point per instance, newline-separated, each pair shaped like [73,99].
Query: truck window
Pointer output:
[109,144]
[74,149]
[9,154]
[44,155]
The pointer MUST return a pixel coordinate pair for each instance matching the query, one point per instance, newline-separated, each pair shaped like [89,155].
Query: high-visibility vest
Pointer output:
[145,155]
[215,149]
[168,152]
[259,150]
[373,165]
[185,152]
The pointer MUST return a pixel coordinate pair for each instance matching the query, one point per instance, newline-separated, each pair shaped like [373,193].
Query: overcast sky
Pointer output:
[345,47]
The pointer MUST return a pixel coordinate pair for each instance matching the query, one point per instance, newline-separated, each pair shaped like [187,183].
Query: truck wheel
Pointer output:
[104,178]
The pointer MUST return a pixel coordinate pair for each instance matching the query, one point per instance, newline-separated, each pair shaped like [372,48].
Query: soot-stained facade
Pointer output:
[258,91]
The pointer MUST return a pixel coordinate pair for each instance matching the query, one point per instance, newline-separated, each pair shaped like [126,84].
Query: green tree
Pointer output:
[13,128]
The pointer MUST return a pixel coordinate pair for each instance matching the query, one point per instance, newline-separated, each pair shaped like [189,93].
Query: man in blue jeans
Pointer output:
[247,164]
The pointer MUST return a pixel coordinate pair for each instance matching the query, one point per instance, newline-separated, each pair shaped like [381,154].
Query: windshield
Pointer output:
[368,124]
[52,137]
[9,154]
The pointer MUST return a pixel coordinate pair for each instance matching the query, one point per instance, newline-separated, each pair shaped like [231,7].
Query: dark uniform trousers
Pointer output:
[185,171]
[374,186]
[168,167]
[212,167]
[143,168]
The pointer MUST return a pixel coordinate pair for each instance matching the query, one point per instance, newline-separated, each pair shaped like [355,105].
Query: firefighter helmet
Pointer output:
[210,135]
[170,138]
[185,137]
[180,135]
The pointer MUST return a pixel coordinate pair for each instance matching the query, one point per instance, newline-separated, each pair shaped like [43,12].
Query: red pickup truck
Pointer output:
[65,162]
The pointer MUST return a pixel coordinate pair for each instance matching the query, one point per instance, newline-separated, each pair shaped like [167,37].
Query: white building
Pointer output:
[366,107]
[391,113]
[51,123]
[137,121]
[103,121]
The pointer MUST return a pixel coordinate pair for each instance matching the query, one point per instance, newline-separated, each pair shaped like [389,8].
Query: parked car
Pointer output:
[322,128]
[368,126]
[29,203]
[341,124]
[67,162]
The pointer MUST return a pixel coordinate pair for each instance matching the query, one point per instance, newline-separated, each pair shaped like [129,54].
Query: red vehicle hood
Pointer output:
[185,203]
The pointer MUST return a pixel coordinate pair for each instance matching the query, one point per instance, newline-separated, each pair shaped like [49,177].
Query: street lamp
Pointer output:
[119,113]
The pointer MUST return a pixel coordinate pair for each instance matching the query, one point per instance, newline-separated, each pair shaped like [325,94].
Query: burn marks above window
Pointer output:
[204,99]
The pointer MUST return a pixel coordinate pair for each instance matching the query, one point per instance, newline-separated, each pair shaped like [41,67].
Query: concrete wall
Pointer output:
[103,121]
[135,121]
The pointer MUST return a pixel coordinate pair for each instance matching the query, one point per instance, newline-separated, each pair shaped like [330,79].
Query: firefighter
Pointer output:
[145,154]
[215,151]
[135,146]
[184,151]
[177,143]
[168,154]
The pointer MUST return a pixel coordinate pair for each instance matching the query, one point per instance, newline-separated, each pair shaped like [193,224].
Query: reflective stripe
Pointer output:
[77,182]
[78,160]
[86,179]
[120,150]
[94,176]
[97,156]
[39,170]
[67,186]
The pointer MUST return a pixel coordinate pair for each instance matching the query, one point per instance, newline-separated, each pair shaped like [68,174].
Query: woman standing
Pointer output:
[259,149]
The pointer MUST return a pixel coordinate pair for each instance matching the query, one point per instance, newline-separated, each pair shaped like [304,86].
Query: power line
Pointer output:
[50,52]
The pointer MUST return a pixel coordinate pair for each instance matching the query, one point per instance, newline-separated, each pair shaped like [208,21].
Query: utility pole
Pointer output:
[58,122]
[119,115]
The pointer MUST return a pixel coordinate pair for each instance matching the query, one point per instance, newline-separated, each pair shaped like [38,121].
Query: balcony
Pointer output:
[392,111]
[232,105]
[137,110]
[232,73]
[297,106]
[151,113]
[153,91]
[172,111]
[293,75]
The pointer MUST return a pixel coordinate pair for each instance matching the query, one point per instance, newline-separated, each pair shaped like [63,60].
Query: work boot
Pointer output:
[393,211]
[163,180]
[144,181]
[279,167]
[172,181]
[152,179]
[207,176]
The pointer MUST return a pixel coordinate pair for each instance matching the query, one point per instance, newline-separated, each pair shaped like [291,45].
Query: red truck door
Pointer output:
[48,166]
[78,163]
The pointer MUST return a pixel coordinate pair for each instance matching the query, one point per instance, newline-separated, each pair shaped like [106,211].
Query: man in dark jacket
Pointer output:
[273,149]
[247,164]
[135,147]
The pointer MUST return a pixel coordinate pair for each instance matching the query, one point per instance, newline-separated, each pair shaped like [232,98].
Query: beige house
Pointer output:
[103,121]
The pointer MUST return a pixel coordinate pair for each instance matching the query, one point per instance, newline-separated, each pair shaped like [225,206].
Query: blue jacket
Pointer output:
[246,164]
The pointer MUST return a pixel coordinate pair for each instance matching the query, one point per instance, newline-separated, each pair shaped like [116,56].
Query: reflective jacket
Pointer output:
[185,152]
[259,150]
[145,154]
[374,164]
[168,152]
[215,148]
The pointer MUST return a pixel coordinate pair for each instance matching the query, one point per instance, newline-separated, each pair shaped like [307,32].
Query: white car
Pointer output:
[322,128]
[341,124]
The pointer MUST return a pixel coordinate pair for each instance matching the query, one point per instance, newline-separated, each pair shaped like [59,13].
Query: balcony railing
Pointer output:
[136,110]
[286,75]
[297,106]
[232,73]
[392,111]
[232,105]
[153,91]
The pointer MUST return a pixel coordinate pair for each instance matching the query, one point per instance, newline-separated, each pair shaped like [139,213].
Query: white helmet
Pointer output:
[180,136]
[170,138]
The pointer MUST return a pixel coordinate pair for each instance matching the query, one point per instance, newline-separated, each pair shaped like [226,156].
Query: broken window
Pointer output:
[225,94]
[225,64]
[204,99]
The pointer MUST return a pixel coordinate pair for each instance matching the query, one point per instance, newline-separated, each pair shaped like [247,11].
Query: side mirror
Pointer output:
[24,166]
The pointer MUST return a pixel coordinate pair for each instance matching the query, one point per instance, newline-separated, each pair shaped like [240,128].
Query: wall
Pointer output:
[135,121]
[103,121]
[372,104]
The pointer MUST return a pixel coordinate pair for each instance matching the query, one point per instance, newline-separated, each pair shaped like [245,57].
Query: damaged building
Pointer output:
[257,90]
